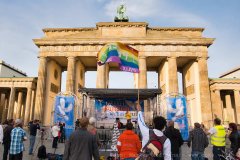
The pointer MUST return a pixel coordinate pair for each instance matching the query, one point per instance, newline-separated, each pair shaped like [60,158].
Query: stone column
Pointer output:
[80,76]
[172,75]
[101,76]
[163,77]
[19,104]
[229,108]
[217,104]
[28,106]
[2,103]
[23,108]
[142,75]
[204,90]
[5,109]
[11,103]
[32,105]
[71,74]
[41,88]
[135,80]
[237,104]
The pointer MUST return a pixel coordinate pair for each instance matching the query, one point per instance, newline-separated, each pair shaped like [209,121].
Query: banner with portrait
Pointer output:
[64,113]
[107,110]
[177,112]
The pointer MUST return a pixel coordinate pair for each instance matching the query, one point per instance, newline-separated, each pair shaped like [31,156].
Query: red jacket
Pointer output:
[128,144]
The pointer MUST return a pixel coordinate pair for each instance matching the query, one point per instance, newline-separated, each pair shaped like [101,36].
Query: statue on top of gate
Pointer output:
[121,14]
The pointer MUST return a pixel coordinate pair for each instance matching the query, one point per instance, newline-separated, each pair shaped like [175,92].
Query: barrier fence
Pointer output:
[104,136]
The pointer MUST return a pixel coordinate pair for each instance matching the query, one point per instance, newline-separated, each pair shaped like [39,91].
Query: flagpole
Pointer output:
[138,96]
[138,80]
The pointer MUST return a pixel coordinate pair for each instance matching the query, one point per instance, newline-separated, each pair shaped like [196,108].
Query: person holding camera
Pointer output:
[33,132]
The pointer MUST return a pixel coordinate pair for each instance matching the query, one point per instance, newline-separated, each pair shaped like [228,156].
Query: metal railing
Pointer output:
[104,137]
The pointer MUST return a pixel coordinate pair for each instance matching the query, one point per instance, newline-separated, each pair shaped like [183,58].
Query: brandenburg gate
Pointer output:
[166,51]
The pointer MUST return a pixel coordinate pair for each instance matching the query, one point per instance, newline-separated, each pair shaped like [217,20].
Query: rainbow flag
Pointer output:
[124,55]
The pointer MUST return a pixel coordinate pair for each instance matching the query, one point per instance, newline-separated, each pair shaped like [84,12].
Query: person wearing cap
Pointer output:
[91,126]
[18,135]
[81,144]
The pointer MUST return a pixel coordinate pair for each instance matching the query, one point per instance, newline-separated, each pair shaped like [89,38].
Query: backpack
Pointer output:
[153,150]
[52,156]
[42,152]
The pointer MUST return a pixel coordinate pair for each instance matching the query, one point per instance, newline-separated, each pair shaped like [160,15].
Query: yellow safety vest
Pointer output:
[219,138]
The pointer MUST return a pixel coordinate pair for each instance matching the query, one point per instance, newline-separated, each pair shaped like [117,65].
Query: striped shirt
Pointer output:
[17,136]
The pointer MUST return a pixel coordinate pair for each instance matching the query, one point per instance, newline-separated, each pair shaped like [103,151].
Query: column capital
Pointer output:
[29,88]
[72,58]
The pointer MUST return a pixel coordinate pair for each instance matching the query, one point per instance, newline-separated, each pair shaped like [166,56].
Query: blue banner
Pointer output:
[177,112]
[64,113]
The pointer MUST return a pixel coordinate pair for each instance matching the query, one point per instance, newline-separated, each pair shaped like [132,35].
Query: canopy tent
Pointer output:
[120,93]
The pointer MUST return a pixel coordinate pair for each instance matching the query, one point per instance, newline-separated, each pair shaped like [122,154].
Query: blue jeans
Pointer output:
[129,158]
[176,157]
[32,142]
[197,155]
[218,153]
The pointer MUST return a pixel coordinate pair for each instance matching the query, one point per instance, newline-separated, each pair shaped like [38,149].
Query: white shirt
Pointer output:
[212,130]
[55,130]
[145,134]
[1,134]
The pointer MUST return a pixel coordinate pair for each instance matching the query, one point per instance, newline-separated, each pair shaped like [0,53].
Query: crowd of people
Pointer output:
[160,141]
[12,137]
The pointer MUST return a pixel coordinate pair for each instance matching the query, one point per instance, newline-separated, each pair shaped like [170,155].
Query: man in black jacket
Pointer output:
[81,144]
[7,138]
[175,138]
[199,141]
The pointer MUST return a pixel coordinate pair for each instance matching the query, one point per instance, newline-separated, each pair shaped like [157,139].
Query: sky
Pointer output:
[23,20]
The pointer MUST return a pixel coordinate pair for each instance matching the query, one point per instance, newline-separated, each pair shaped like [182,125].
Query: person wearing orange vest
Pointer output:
[218,139]
[128,144]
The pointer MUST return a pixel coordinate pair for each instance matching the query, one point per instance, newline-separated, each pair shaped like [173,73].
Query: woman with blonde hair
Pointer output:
[91,126]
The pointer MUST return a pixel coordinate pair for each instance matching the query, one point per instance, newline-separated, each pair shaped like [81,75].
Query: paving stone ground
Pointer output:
[48,142]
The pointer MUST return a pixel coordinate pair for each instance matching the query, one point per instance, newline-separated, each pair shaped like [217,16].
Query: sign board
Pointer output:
[64,113]
[107,110]
[177,112]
